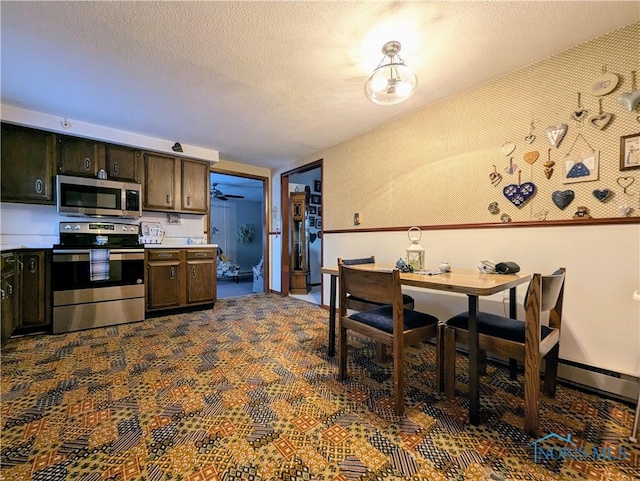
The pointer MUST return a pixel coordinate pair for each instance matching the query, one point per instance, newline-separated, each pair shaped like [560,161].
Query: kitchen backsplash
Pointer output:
[32,224]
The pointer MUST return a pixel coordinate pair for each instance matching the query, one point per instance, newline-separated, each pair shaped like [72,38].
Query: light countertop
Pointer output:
[180,246]
[13,247]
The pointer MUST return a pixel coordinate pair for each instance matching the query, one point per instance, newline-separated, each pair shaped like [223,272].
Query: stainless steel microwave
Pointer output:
[83,196]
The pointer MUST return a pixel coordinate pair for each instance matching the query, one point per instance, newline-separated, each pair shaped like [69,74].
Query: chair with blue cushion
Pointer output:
[357,304]
[389,324]
[529,341]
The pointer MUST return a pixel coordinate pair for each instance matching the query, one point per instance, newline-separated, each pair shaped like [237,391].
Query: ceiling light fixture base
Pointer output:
[392,81]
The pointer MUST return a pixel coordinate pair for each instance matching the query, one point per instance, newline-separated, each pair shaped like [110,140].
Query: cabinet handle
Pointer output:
[172,273]
[20,265]
[168,199]
[188,200]
[10,260]
[165,256]
[3,295]
[87,163]
[201,254]
[115,167]
[10,289]
[33,265]
[193,270]
[39,186]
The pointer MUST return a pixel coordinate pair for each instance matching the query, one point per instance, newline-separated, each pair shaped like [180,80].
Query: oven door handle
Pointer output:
[83,256]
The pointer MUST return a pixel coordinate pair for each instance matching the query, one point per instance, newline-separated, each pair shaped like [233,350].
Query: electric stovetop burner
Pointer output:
[98,234]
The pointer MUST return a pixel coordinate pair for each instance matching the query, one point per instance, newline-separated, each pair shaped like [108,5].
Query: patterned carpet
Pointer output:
[245,392]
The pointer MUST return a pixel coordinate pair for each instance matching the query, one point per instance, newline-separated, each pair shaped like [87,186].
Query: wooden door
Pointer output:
[80,156]
[195,186]
[159,182]
[33,291]
[122,163]
[200,281]
[163,284]
[27,163]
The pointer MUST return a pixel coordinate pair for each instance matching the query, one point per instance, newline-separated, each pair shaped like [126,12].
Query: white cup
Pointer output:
[445,267]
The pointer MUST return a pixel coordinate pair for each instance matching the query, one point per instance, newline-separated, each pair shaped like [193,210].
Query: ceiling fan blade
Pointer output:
[232,196]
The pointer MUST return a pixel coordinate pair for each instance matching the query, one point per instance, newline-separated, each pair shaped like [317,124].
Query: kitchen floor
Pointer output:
[314,296]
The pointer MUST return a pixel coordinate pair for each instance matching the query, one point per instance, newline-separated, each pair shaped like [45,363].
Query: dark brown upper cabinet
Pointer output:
[83,157]
[28,163]
[123,163]
[159,182]
[195,186]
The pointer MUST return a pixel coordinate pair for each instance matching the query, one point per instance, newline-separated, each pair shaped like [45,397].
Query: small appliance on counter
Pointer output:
[151,233]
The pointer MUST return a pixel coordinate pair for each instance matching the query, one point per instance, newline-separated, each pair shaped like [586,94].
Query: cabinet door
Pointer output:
[8,306]
[122,163]
[159,182]
[200,276]
[33,289]
[80,156]
[195,186]
[28,159]
[163,284]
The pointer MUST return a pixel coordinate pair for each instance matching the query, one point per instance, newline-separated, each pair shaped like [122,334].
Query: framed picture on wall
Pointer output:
[315,199]
[319,223]
[312,209]
[312,221]
[317,186]
[319,211]
[630,152]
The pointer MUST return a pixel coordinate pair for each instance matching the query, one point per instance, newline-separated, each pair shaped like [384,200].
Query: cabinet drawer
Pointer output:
[201,254]
[163,255]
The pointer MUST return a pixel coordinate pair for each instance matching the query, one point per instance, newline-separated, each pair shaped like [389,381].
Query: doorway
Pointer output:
[237,224]
[307,178]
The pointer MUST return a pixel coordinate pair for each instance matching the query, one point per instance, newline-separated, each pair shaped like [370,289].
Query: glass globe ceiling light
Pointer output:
[392,81]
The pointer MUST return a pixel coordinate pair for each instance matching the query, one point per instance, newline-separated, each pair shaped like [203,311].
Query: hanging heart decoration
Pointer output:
[555,134]
[518,194]
[604,84]
[530,138]
[625,182]
[562,198]
[549,163]
[531,157]
[630,100]
[507,148]
[602,195]
[512,167]
[548,171]
[579,115]
[495,177]
[600,121]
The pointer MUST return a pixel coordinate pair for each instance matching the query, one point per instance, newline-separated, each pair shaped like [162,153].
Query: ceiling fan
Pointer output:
[217,194]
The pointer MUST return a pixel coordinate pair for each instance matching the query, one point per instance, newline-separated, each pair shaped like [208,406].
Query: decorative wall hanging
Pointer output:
[548,165]
[493,208]
[581,166]
[530,138]
[580,114]
[507,148]
[512,167]
[531,157]
[495,177]
[602,195]
[601,120]
[605,84]
[625,210]
[631,99]
[625,183]
[518,194]
[555,134]
[505,218]
[562,198]
[582,213]
[541,215]
[630,152]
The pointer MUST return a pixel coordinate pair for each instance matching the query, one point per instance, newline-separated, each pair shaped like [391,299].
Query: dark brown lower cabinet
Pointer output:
[179,278]
[8,305]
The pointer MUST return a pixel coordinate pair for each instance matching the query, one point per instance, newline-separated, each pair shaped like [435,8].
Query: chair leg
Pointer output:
[449,362]
[551,371]
[381,352]
[531,392]
[440,358]
[398,379]
[342,353]
[513,369]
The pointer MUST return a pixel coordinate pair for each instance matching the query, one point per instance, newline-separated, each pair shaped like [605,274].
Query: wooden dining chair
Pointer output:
[358,304]
[528,341]
[389,324]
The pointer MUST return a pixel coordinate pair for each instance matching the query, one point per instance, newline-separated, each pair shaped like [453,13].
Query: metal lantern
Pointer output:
[415,252]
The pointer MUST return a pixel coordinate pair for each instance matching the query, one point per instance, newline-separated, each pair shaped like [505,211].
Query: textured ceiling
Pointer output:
[267,83]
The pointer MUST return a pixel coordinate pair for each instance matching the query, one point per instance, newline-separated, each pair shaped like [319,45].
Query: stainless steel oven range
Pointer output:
[98,276]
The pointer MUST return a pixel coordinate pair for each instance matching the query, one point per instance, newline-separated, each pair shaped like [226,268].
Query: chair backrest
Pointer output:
[356,262]
[371,285]
[551,296]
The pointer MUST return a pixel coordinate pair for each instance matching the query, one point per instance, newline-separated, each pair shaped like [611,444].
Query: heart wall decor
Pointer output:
[518,194]
[562,198]
[555,134]
[630,100]
[507,148]
[531,157]
[604,84]
[600,121]
[602,195]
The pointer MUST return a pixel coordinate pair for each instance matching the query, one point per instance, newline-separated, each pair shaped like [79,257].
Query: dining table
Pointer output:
[469,282]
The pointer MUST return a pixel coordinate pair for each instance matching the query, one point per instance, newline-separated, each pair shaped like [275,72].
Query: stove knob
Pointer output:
[124,228]
[77,227]
[133,229]
[67,227]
